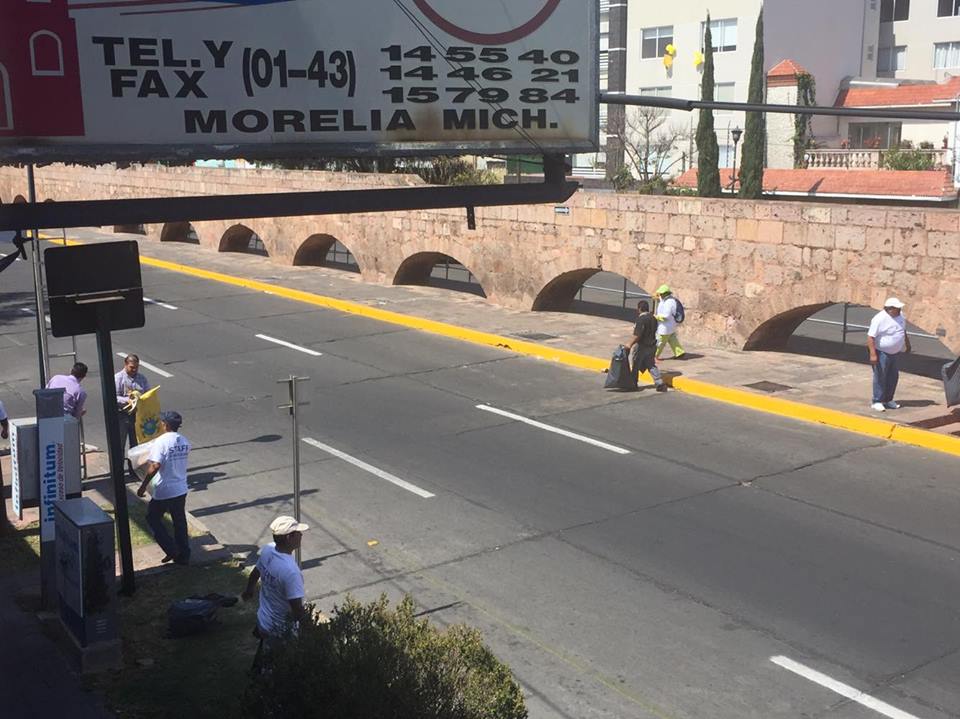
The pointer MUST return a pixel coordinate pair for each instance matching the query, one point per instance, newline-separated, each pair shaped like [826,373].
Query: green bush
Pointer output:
[371,662]
[906,158]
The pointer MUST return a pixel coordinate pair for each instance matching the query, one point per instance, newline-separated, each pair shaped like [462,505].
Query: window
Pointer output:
[6,110]
[723,34]
[874,135]
[665,91]
[46,54]
[891,59]
[948,8]
[724,91]
[894,10]
[655,40]
[946,54]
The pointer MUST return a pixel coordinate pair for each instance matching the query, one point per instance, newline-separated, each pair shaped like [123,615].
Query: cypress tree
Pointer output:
[755,130]
[708,171]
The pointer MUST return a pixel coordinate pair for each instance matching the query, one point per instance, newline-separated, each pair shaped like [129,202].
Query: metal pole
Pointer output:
[115,451]
[38,288]
[843,339]
[291,383]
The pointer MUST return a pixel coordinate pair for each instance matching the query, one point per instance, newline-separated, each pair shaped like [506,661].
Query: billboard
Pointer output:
[99,80]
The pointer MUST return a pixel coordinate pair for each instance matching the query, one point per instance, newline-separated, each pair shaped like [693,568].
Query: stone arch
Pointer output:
[774,333]
[179,232]
[610,294]
[240,238]
[418,269]
[316,251]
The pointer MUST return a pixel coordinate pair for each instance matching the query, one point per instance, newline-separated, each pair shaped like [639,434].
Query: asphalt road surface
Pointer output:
[632,555]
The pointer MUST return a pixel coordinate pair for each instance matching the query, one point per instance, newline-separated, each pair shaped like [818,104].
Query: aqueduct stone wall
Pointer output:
[748,272]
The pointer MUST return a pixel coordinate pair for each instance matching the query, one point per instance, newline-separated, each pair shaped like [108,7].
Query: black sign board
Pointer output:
[87,283]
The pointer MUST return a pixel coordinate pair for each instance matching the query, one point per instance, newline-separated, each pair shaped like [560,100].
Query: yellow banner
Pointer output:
[148,415]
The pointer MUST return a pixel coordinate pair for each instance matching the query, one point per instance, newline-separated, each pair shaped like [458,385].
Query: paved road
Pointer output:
[654,576]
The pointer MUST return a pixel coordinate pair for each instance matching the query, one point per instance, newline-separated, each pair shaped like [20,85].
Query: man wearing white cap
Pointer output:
[887,338]
[281,581]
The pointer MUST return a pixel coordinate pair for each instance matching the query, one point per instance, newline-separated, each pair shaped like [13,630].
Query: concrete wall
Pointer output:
[748,272]
[919,33]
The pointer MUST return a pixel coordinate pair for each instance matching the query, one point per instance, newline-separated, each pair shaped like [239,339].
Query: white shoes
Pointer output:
[891,405]
[878,407]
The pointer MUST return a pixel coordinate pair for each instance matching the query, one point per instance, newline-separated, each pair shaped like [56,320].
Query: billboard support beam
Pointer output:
[671,103]
[87,213]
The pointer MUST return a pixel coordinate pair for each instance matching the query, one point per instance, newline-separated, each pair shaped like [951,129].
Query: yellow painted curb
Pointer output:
[882,429]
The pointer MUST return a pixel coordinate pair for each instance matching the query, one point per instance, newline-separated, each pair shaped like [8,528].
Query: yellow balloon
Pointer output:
[698,58]
[671,49]
[668,61]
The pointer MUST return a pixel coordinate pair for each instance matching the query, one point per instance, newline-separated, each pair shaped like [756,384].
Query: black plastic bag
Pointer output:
[619,375]
[951,381]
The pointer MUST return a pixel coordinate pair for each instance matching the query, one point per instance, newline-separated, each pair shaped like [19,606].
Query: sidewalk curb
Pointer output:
[883,429]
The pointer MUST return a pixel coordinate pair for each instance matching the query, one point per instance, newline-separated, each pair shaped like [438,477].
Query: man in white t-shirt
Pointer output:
[167,463]
[886,339]
[281,583]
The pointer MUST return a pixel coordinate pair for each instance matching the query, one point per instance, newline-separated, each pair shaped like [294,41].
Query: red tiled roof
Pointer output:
[787,68]
[907,95]
[926,184]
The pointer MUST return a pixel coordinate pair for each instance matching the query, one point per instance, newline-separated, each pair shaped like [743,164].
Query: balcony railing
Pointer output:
[864,159]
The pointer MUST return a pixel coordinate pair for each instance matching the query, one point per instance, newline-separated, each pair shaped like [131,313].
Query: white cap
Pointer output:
[893,302]
[282,526]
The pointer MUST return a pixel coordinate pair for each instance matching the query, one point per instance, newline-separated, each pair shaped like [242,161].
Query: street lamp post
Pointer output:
[736,133]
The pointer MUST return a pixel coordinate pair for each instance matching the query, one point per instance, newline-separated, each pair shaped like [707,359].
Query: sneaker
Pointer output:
[878,407]
[891,405]
[661,388]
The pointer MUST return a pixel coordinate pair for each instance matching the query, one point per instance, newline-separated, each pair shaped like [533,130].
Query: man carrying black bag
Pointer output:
[645,340]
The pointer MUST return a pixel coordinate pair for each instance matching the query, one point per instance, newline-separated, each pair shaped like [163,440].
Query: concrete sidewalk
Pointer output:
[828,383]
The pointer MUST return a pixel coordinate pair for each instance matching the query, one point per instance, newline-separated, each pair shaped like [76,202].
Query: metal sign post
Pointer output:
[291,383]
[38,288]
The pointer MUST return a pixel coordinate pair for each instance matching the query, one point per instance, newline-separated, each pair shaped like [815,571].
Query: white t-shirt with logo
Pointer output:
[666,309]
[889,333]
[280,581]
[170,450]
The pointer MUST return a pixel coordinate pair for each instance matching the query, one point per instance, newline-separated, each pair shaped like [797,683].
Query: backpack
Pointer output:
[680,315]
[187,617]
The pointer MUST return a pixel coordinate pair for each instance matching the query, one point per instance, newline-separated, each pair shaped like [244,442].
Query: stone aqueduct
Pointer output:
[748,272]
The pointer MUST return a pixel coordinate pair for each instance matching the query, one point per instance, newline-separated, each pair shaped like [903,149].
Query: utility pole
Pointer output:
[291,383]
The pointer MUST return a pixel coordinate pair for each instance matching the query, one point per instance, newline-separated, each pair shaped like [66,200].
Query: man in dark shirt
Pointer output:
[644,357]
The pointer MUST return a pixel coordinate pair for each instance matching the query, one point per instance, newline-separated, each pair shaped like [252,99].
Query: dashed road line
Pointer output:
[555,430]
[844,690]
[158,303]
[152,368]
[402,483]
[284,343]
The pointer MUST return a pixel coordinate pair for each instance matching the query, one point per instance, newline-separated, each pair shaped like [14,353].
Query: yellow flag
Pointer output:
[148,415]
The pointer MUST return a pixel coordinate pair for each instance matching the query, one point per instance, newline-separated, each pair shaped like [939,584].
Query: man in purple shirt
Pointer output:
[74,396]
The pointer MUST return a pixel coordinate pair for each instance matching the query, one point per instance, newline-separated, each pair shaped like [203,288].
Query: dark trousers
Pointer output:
[128,428]
[885,377]
[177,546]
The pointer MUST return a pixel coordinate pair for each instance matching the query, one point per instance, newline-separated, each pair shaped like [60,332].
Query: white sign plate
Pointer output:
[104,80]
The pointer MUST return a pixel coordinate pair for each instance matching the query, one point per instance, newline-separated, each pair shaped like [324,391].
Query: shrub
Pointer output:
[371,662]
[623,180]
[907,159]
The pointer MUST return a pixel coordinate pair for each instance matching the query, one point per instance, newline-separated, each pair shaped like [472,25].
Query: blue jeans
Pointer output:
[885,377]
[178,546]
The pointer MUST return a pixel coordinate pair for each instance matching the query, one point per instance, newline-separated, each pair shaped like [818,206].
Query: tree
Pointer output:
[803,125]
[755,131]
[649,141]
[708,174]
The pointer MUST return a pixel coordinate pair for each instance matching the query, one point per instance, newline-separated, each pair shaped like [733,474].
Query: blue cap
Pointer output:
[173,420]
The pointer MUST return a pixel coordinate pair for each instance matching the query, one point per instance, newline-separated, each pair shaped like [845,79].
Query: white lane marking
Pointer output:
[152,368]
[555,430]
[158,303]
[369,468]
[844,690]
[298,348]
[33,312]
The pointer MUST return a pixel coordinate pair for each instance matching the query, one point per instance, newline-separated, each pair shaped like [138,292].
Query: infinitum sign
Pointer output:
[144,79]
